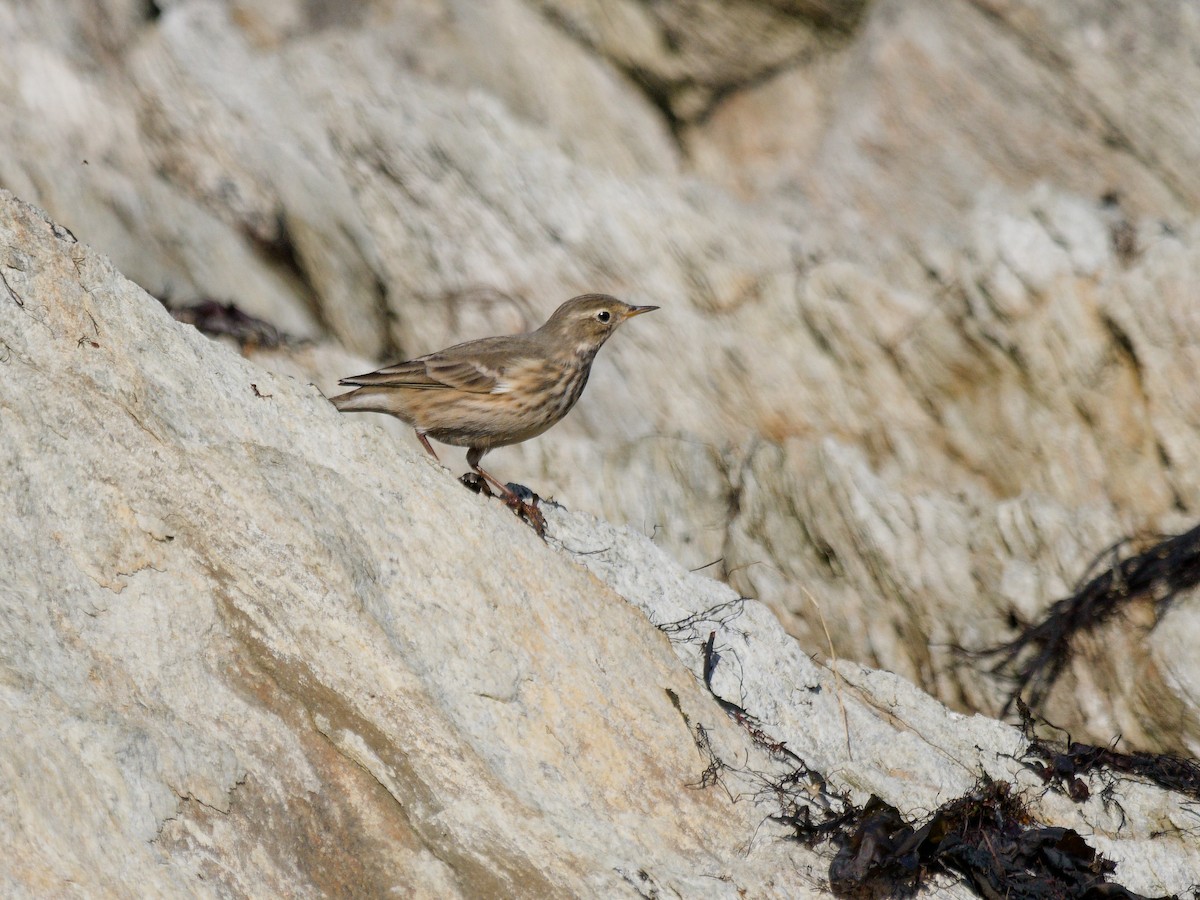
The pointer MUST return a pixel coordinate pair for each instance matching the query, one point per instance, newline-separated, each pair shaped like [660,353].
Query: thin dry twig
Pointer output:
[837,677]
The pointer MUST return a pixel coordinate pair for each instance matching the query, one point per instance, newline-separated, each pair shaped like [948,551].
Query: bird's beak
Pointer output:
[638,310]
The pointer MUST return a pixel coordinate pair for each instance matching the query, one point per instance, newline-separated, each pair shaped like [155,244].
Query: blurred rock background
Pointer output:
[928,271]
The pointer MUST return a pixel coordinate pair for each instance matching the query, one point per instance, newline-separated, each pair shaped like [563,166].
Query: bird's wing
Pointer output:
[477,367]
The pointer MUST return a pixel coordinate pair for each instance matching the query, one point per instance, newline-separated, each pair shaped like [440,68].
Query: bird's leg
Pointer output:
[474,455]
[527,511]
[504,489]
[425,443]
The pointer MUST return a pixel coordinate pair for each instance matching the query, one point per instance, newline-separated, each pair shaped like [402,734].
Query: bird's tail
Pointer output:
[362,399]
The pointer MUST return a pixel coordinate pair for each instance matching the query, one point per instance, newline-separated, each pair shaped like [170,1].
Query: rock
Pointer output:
[207,692]
[927,339]
[253,647]
[687,54]
[1045,398]
[219,619]
[897,133]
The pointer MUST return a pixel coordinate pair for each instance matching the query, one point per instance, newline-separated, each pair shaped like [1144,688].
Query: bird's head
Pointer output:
[585,323]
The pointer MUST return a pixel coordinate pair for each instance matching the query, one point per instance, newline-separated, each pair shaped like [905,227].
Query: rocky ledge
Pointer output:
[255,648]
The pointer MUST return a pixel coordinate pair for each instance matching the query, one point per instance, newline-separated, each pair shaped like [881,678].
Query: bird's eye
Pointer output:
[604,315]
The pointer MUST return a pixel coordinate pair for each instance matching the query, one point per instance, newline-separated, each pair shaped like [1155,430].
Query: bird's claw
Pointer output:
[520,499]
[476,484]
[524,505]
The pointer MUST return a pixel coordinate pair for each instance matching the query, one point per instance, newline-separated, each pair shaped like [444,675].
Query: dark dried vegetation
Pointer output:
[217,319]
[986,839]
[1035,658]
[1063,766]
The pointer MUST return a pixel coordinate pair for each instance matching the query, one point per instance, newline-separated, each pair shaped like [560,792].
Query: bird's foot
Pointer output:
[520,499]
[526,509]
[476,484]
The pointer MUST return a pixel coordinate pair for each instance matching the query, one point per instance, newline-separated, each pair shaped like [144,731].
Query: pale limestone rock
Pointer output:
[225,611]
[937,353]
[252,648]
[1135,65]
[1054,403]
[895,133]
[689,53]
[80,153]
[830,719]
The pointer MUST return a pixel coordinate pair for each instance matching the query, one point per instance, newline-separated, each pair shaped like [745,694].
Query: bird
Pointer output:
[495,391]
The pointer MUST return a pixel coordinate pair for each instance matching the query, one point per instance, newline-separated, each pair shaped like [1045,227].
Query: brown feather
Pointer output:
[476,367]
[494,391]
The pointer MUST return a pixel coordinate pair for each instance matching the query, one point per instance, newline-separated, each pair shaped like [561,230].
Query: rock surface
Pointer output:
[252,647]
[929,331]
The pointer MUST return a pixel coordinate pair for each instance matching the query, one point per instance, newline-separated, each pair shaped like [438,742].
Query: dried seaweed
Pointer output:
[985,838]
[1063,765]
[1037,655]
[806,803]
[217,319]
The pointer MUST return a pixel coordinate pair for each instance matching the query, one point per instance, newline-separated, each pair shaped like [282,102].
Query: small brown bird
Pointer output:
[495,391]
